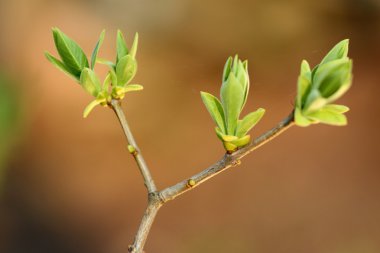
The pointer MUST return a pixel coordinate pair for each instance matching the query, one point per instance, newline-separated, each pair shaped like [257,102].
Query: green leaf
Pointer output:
[303,84]
[71,53]
[125,70]
[232,95]
[227,69]
[301,120]
[336,108]
[215,109]
[91,106]
[241,142]
[134,46]
[333,79]
[229,147]
[246,91]
[133,87]
[96,49]
[109,63]
[328,116]
[90,82]
[339,51]
[61,66]
[121,46]
[248,122]
[314,102]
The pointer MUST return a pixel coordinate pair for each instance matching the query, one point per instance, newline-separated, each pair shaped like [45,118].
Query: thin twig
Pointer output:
[226,162]
[154,205]
[157,199]
[145,172]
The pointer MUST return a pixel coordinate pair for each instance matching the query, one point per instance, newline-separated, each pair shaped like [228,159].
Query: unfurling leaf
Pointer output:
[126,69]
[61,66]
[233,93]
[215,109]
[248,122]
[94,55]
[318,88]
[232,96]
[121,46]
[90,82]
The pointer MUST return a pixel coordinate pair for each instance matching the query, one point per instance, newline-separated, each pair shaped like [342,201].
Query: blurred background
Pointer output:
[68,185]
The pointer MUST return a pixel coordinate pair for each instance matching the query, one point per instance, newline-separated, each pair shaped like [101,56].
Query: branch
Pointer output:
[154,205]
[148,180]
[226,162]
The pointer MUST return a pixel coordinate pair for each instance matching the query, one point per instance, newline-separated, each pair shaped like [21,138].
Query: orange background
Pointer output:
[71,186]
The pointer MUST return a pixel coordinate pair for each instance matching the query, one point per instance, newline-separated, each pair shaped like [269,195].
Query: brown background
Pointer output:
[72,187]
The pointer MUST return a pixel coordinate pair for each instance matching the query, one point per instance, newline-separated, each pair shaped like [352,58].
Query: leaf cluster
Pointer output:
[226,113]
[74,62]
[320,87]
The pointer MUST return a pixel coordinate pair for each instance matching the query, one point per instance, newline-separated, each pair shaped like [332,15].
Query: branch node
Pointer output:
[236,163]
[191,183]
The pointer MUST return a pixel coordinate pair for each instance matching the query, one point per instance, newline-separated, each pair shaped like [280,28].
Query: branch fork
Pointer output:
[156,198]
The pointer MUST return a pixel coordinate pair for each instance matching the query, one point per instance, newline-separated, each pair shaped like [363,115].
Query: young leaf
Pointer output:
[71,53]
[134,46]
[242,141]
[227,69]
[303,84]
[133,87]
[96,49]
[110,64]
[336,81]
[91,106]
[301,120]
[90,82]
[215,109]
[337,108]
[328,116]
[121,46]
[339,51]
[248,122]
[125,70]
[60,65]
[232,95]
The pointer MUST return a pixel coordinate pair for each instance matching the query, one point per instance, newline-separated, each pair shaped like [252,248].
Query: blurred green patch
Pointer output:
[9,119]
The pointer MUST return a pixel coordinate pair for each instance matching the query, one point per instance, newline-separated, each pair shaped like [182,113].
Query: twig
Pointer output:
[157,198]
[226,162]
[145,172]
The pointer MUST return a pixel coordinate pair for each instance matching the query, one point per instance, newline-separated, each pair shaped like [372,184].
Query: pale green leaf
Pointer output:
[61,66]
[125,70]
[232,96]
[215,109]
[301,120]
[339,51]
[303,84]
[121,46]
[227,69]
[134,46]
[90,107]
[109,63]
[90,82]
[133,87]
[337,108]
[96,49]
[241,142]
[330,117]
[248,122]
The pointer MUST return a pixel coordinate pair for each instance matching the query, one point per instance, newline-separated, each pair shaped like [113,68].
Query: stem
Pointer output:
[226,162]
[154,205]
[157,199]
[145,172]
